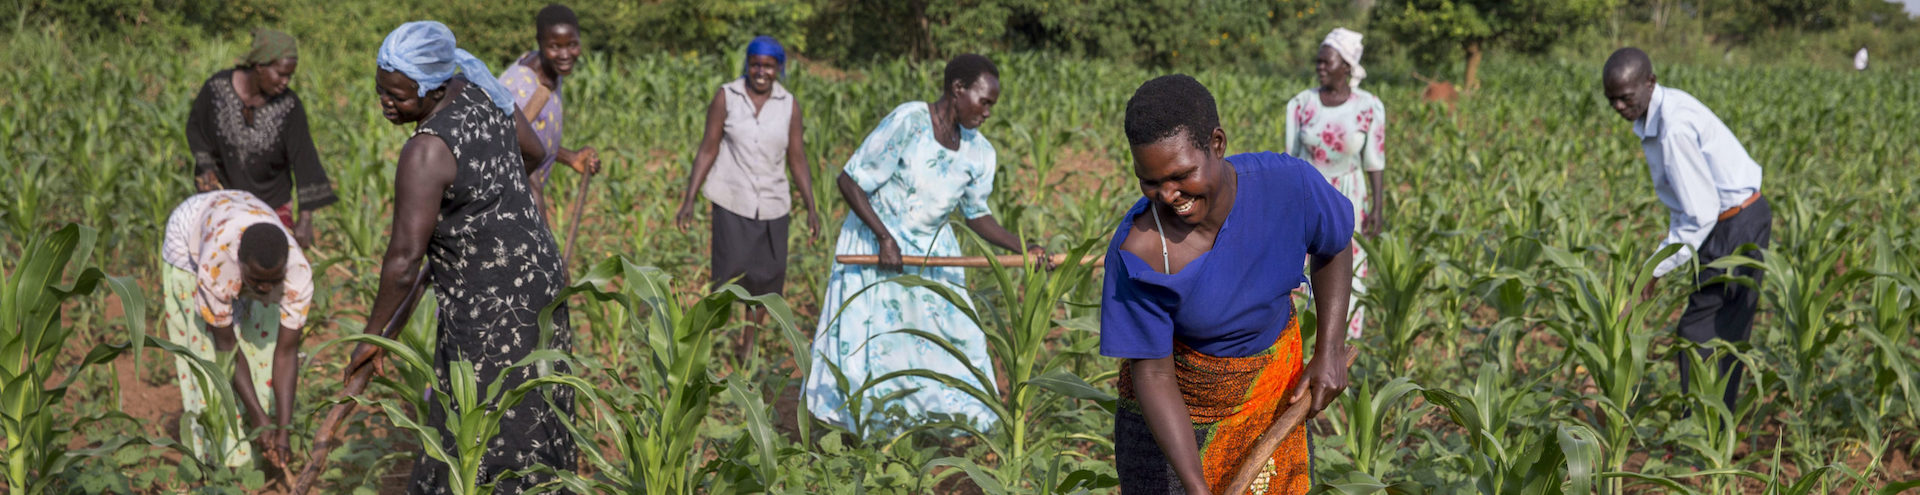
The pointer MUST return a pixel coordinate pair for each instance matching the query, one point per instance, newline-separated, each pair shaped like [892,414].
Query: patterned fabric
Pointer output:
[524,83]
[1231,401]
[495,266]
[749,176]
[270,155]
[1698,166]
[270,46]
[913,183]
[203,238]
[1344,142]
[258,336]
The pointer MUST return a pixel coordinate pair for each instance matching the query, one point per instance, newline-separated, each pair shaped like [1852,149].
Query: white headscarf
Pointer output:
[1346,42]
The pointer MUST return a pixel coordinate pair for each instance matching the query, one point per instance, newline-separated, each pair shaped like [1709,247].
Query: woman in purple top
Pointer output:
[1198,300]
[540,72]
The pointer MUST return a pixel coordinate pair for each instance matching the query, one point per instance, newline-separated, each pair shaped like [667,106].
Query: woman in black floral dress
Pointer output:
[461,199]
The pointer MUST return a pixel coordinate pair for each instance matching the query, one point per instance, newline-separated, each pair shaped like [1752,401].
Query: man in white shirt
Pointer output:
[1711,189]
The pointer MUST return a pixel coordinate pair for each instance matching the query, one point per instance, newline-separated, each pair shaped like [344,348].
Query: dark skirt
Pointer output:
[750,253]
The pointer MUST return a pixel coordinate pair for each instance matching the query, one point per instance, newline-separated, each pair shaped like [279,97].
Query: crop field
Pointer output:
[1496,359]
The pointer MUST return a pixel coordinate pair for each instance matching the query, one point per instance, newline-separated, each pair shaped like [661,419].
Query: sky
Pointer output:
[1913,6]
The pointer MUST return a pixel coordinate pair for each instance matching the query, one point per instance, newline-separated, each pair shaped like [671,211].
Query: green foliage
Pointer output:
[1531,162]
[1436,31]
[32,293]
[653,427]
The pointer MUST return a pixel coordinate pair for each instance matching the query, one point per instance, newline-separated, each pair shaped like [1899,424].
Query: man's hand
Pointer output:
[207,182]
[586,161]
[813,225]
[1647,293]
[1323,380]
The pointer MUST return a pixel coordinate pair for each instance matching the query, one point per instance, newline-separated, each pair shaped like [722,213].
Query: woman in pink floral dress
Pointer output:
[1342,130]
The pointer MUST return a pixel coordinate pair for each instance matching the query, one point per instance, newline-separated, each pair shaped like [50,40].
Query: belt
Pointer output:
[1743,205]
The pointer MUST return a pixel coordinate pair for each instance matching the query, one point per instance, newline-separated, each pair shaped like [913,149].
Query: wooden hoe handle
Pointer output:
[962,261]
[359,372]
[1256,460]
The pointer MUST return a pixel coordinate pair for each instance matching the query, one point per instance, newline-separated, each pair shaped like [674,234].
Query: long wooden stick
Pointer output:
[1256,460]
[961,261]
[359,372]
[573,224]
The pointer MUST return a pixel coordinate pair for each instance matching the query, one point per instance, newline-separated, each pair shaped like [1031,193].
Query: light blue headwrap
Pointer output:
[766,45]
[425,52]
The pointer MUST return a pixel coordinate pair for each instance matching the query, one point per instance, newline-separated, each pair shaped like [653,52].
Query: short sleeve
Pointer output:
[297,291]
[973,204]
[1135,323]
[519,81]
[1374,157]
[1330,225]
[311,184]
[878,157]
[1294,121]
[200,131]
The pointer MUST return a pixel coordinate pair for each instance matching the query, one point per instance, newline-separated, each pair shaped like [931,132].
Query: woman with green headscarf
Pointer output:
[248,131]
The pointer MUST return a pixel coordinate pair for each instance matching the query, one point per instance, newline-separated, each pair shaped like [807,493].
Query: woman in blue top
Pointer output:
[924,162]
[1197,300]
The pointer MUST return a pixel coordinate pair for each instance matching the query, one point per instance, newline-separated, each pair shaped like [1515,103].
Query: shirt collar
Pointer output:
[739,86]
[1649,124]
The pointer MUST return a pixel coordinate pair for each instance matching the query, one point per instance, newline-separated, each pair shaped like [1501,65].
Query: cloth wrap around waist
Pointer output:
[1231,401]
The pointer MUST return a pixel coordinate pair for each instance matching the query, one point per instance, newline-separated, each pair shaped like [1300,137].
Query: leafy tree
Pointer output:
[1438,30]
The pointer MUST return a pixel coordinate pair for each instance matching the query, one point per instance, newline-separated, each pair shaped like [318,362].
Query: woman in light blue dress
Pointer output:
[924,162]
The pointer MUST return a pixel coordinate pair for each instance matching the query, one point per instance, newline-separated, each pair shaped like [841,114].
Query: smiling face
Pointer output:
[974,103]
[273,79]
[400,100]
[560,49]
[1630,96]
[762,70]
[1332,70]
[1183,178]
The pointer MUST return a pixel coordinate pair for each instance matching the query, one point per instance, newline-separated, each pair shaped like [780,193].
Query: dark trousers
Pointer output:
[1725,310]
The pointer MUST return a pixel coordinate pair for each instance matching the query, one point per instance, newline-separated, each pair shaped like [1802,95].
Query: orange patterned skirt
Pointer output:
[1231,402]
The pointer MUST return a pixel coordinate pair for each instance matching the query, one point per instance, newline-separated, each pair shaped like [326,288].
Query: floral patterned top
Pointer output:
[523,82]
[495,267]
[1342,141]
[203,237]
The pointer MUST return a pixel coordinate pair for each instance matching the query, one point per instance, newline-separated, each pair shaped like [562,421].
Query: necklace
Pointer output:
[1165,261]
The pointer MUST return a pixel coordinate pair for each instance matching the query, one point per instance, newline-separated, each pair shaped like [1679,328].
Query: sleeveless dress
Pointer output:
[495,266]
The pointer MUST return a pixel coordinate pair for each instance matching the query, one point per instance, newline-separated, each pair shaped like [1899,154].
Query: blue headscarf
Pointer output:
[425,52]
[765,45]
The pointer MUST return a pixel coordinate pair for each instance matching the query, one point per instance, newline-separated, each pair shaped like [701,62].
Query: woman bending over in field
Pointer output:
[1198,303]
[1342,130]
[923,162]
[248,131]
[535,81]
[754,128]
[462,199]
[234,279]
